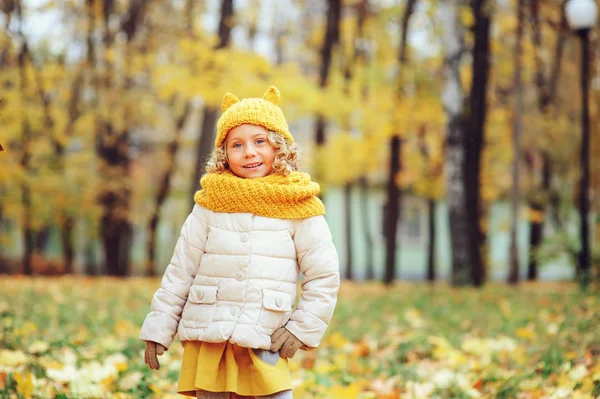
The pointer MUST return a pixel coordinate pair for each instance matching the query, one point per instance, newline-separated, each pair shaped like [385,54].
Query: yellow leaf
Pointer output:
[413,317]
[107,382]
[323,367]
[340,360]
[12,358]
[525,333]
[154,388]
[505,307]
[24,383]
[535,216]
[38,347]
[338,341]
[348,392]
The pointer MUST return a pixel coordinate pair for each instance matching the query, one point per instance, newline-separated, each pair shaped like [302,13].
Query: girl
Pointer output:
[230,287]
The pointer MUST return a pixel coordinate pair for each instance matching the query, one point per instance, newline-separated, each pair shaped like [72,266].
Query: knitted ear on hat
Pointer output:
[228,100]
[272,95]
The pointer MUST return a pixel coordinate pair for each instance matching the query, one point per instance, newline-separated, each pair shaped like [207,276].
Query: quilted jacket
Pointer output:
[234,277]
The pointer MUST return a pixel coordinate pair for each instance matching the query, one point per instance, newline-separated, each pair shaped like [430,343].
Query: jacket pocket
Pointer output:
[200,307]
[276,308]
[203,294]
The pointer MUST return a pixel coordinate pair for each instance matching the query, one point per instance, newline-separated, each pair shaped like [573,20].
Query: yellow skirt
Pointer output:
[226,367]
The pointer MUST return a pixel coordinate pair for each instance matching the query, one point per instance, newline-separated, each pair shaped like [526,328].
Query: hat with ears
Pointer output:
[255,111]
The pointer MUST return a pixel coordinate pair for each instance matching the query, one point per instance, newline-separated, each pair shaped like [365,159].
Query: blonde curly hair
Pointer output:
[287,156]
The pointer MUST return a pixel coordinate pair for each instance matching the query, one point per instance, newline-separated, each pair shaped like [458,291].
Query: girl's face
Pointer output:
[249,152]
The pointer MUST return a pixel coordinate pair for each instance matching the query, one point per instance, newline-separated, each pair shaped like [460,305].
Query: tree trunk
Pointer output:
[91,263]
[209,118]
[535,239]
[280,32]
[68,225]
[68,248]
[332,33]
[536,232]
[26,134]
[513,275]
[28,232]
[475,129]
[112,147]
[68,222]
[366,223]
[3,261]
[362,54]
[41,239]
[206,143]
[584,258]
[392,213]
[151,244]
[115,227]
[4,63]
[546,90]
[163,190]
[394,194]
[348,230]
[431,244]
[430,208]
[452,99]
[348,75]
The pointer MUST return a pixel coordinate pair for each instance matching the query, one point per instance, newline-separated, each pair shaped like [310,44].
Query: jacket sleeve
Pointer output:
[168,301]
[319,263]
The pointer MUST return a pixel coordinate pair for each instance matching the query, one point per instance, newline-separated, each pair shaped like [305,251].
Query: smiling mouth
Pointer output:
[253,165]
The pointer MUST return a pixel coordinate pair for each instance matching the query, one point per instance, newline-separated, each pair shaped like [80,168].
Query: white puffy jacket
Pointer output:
[234,276]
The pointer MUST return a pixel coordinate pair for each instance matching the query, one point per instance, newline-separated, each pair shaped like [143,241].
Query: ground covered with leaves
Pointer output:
[77,338]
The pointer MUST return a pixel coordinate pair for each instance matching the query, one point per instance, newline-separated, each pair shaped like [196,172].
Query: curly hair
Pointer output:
[287,156]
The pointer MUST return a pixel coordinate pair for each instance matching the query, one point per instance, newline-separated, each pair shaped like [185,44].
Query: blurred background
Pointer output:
[448,137]
[456,142]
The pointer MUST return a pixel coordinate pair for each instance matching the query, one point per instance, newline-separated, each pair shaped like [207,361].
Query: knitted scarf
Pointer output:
[275,196]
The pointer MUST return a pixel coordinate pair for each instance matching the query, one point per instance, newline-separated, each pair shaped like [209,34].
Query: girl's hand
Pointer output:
[150,355]
[285,342]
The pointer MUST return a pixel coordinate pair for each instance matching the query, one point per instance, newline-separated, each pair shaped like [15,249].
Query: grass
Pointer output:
[77,337]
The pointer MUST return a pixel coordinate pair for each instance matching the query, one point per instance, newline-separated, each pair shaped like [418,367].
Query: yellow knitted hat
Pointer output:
[256,111]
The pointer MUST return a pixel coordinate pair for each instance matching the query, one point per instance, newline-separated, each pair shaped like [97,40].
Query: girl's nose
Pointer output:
[250,151]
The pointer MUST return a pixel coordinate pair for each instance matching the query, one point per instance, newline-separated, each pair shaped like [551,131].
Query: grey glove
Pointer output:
[150,355]
[284,341]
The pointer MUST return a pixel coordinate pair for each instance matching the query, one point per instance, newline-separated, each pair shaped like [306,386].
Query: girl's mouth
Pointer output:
[253,165]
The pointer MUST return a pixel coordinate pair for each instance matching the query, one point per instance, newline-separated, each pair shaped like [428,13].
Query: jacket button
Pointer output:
[239,276]
[278,302]
[245,237]
[201,295]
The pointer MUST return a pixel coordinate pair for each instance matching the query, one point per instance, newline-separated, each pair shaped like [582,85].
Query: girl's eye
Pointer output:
[237,145]
[260,141]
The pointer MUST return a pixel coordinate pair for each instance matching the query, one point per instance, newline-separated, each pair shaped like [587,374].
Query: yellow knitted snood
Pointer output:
[274,196]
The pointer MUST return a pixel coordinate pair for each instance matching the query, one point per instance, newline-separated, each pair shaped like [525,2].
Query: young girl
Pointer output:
[230,287]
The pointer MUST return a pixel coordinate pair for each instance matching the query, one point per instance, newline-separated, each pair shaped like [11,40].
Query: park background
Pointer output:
[447,139]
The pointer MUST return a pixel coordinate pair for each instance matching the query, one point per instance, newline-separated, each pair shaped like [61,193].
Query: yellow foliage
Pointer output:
[351,391]
[526,333]
[504,306]
[13,358]
[337,341]
[534,215]
[466,17]
[24,384]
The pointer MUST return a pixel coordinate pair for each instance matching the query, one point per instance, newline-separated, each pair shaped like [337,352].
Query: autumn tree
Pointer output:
[330,38]
[209,118]
[394,199]
[513,274]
